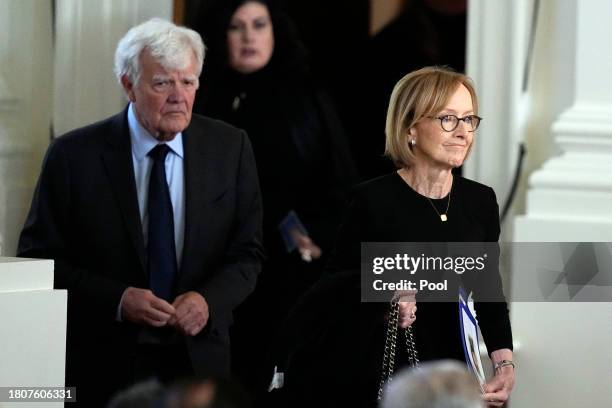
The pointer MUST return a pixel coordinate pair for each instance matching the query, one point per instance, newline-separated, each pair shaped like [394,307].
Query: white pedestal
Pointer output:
[33,328]
[564,361]
[565,357]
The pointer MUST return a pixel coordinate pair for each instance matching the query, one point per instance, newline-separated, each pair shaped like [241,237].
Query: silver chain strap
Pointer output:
[388,363]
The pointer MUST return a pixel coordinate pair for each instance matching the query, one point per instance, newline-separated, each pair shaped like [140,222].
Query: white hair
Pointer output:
[442,384]
[172,46]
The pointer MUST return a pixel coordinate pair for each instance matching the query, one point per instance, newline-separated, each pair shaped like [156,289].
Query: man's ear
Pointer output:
[128,86]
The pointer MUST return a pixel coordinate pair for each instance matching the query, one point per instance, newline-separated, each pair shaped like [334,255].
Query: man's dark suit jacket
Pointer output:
[85,216]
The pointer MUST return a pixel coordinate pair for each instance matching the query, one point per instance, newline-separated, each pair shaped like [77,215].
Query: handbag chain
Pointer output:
[388,363]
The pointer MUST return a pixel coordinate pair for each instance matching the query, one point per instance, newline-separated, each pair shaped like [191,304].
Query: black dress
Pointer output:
[302,154]
[340,341]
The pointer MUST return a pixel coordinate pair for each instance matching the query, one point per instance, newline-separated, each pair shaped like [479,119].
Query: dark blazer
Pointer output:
[85,216]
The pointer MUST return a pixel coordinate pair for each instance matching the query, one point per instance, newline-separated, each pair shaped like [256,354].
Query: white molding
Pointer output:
[585,127]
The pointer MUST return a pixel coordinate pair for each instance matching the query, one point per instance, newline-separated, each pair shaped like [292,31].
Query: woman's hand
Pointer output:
[497,390]
[308,249]
[407,307]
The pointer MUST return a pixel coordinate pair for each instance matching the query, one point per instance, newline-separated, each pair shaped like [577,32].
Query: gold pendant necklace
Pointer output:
[443,216]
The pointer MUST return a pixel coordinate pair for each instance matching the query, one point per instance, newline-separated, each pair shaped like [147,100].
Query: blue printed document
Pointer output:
[289,227]
[469,338]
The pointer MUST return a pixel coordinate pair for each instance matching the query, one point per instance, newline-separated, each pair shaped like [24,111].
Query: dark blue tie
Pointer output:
[161,247]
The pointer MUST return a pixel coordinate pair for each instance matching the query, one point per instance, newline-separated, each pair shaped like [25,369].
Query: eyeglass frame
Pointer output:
[441,118]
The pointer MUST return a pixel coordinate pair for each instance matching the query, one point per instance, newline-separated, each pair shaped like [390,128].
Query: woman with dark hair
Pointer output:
[257,78]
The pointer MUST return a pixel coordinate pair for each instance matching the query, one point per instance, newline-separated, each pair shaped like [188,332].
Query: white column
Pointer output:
[574,189]
[569,200]
[26,51]
[87,34]
[497,44]
[11,154]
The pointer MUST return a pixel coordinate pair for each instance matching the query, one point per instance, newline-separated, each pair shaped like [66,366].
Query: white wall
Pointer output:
[25,107]
[565,118]
[88,31]
[65,85]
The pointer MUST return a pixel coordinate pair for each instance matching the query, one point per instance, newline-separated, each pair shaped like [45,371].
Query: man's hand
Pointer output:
[191,313]
[143,307]
[497,389]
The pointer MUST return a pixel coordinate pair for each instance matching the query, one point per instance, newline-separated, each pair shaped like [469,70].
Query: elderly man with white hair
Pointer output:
[153,218]
[442,384]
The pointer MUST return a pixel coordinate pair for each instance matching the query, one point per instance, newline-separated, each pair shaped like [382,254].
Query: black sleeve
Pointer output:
[347,251]
[46,234]
[344,168]
[492,309]
[235,278]
[321,209]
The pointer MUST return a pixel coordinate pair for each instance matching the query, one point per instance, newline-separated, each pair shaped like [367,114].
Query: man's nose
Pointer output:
[177,94]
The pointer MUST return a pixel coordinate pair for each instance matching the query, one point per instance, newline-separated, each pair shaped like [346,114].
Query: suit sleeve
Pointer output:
[236,276]
[347,251]
[46,234]
[492,309]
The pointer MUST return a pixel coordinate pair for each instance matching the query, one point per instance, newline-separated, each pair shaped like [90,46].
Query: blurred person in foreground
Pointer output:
[153,219]
[207,393]
[184,393]
[440,384]
[145,394]
[257,78]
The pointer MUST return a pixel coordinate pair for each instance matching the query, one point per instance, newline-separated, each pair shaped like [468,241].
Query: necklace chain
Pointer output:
[443,216]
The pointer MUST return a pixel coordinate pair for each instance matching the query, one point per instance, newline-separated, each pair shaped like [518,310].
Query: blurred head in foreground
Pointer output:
[442,384]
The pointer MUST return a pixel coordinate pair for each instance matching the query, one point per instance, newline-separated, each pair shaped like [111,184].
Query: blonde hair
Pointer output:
[418,94]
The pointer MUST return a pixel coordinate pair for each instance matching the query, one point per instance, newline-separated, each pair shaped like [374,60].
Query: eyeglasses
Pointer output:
[450,122]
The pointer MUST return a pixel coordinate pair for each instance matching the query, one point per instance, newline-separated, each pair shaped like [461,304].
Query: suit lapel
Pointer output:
[120,170]
[201,185]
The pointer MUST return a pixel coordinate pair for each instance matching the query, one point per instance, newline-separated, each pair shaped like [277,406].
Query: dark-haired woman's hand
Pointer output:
[308,249]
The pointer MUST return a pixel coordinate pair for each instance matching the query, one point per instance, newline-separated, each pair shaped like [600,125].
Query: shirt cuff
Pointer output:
[118,317]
